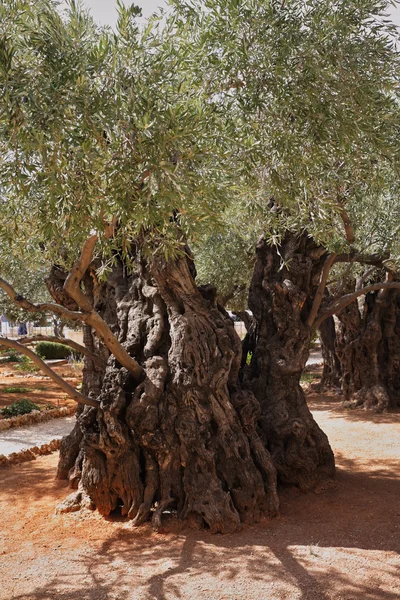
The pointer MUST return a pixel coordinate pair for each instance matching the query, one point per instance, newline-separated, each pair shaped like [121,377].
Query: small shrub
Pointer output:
[309,377]
[15,389]
[53,351]
[20,407]
[27,366]
[13,356]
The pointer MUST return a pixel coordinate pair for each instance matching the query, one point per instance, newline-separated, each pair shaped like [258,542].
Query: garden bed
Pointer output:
[17,385]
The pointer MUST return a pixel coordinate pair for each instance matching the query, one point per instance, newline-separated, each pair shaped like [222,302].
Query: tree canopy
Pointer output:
[198,119]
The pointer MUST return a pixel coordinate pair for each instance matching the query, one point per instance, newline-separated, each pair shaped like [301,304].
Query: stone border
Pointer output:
[36,416]
[17,458]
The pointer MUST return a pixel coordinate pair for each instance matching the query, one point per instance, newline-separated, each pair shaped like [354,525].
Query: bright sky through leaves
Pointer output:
[104,11]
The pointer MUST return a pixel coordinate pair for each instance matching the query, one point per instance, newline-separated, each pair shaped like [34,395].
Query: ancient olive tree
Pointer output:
[112,159]
[120,149]
[317,89]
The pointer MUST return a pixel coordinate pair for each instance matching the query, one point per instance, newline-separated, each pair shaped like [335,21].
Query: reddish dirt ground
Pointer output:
[341,545]
[42,391]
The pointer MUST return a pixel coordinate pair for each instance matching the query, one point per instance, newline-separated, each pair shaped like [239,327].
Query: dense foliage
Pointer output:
[224,120]
[199,120]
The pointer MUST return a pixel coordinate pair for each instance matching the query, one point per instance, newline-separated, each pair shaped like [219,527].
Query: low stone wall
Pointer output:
[36,416]
[25,455]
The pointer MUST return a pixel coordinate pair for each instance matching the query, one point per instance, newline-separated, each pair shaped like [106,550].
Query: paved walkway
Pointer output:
[22,438]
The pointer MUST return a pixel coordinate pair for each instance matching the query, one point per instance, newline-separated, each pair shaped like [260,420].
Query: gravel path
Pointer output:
[22,438]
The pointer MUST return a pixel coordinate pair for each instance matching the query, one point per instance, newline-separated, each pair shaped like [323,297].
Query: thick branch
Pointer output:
[68,389]
[67,342]
[72,287]
[109,339]
[73,281]
[338,305]
[91,318]
[347,225]
[42,307]
[366,259]
[321,289]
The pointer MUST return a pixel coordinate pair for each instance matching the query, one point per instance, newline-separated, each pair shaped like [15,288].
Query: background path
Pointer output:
[22,438]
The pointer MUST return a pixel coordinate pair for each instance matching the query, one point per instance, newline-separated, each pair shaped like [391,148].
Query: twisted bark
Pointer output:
[186,438]
[368,348]
[282,297]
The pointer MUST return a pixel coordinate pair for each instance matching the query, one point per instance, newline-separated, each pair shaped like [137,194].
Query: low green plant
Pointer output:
[12,356]
[15,389]
[309,377]
[26,366]
[20,407]
[53,351]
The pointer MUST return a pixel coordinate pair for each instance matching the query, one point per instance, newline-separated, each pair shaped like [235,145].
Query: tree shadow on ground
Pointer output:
[341,544]
[33,475]
[293,557]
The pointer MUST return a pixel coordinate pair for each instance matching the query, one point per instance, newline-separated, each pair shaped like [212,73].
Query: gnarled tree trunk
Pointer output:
[282,290]
[185,438]
[368,347]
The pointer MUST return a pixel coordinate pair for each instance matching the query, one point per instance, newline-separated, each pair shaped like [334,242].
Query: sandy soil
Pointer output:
[42,391]
[341,545]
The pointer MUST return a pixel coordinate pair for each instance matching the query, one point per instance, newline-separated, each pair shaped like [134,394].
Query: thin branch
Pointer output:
[67,342]
[338,305]
[68,389]
[366,259]
[321,289]
[364,277]
[347,225]
[42,307]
